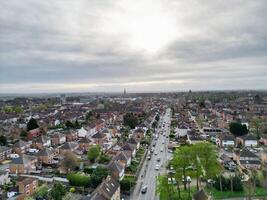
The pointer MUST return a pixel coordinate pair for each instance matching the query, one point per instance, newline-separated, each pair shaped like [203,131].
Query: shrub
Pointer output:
[78,180]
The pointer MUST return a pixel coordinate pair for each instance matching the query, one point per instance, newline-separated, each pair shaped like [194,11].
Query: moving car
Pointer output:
[158,159]
[157,167]
[144,189]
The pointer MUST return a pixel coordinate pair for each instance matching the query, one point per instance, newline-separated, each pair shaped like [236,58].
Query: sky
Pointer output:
[142,46]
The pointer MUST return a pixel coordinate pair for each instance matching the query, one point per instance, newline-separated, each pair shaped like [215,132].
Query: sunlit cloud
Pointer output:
[149,45]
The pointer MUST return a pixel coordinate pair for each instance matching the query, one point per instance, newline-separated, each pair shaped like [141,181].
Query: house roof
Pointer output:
[26,180]
[23,159]
[42,139]
[250,162]
[58,135]
[69,146]
[249,137]
[115,166]
[121,155]
[128,147]
[228,137]
[45,152]
[99,135]
[133,141]
[106,189]
[20,144]
[247,153]
[84,140]
[4,148]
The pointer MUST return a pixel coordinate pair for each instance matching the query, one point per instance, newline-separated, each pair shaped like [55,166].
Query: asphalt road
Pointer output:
[148,174]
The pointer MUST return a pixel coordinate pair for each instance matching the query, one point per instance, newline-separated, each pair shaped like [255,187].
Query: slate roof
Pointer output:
[4,148]
[99,135]
[69,146]
[20,144]
[247,153]
[115,166]
[23,159]
[84,141]
[105,190]
[45,152]
[42,139]
[121,155]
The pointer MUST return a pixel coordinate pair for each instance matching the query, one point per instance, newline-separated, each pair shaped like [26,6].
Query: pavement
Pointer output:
[148,174]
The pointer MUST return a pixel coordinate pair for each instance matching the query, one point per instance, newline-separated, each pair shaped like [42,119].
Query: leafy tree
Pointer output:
[98,175]
[23,134]
[157,118]
[32,124]
[237,129]
[69,124]
[104,159]
[77,124]
[3,140]
[41,192]
[127,183]
[57,192]
[77,179]
[70,161]
[130,120]
[88,170]
[237,183]
[181,161]
[201,157]
[164,189]
[93,153]
[154,125]
[257,124]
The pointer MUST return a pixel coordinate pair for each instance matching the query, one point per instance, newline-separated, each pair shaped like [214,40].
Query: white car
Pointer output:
[161,150]
[157,167]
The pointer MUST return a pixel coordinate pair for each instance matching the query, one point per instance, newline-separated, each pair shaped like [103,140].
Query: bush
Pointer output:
[88,170]
[72,190]
[97,176]
[127,183]
[78,180]
[226,184]
[104,159]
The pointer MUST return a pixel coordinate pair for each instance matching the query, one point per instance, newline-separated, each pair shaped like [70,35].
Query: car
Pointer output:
[174,182]
[161,150]
[144,189]
[149,157]
[157,167]
[158,159]
[163,142]
[169,181]
[188,179]
[156,153]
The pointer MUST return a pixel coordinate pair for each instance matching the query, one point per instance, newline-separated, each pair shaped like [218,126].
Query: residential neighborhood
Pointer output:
[134,146]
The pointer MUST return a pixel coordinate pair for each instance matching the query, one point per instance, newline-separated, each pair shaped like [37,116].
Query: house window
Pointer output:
[28,192]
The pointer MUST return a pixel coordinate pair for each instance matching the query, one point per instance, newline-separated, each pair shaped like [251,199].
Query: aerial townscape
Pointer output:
[184,145]
[133,99]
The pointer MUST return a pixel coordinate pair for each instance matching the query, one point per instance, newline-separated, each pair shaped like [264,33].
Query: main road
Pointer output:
[148,174]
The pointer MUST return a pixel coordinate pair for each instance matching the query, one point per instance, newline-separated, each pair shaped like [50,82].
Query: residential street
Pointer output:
[148,169]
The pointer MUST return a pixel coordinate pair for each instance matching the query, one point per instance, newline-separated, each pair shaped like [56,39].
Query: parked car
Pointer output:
[157,167]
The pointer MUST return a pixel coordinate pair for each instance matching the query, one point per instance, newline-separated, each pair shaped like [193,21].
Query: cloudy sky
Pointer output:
[109,45]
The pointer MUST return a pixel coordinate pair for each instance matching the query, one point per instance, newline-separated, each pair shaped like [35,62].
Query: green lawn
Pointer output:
[228,194]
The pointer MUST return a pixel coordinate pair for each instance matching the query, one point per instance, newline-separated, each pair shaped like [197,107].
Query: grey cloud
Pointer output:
[59,42]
